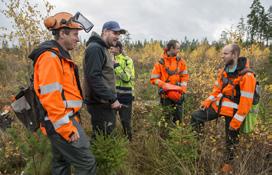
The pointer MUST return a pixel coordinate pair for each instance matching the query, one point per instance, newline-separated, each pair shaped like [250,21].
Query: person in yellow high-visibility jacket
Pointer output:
[125,75]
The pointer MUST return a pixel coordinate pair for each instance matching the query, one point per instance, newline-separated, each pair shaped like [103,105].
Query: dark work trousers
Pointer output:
[199,117]
[102,117]
[125,117]
[75,153]
[173,110]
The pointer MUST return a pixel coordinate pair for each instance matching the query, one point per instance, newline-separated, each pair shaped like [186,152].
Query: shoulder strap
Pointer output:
[169,72]
[51,50]
[161,61]
[246,70]
[77,80]
[36,58]
[225,80]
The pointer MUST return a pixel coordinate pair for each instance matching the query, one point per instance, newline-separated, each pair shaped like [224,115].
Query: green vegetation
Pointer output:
[110,153]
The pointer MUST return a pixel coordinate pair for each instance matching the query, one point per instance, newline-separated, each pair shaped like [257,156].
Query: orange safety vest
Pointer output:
[233,94]
[58,89]
[171,70]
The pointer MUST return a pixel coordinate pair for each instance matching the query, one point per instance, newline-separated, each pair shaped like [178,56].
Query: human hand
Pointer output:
[205,105]
[201,107]
[171,87]
[116,105]
[74,137]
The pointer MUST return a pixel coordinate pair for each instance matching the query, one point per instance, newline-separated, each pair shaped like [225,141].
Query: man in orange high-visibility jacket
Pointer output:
[171,76]
[232,97]
[57,86]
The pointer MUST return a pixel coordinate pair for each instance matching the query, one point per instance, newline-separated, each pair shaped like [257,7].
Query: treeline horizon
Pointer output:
[255,28]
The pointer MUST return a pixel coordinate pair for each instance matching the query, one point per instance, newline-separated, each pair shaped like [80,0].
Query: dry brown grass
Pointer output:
[253,153]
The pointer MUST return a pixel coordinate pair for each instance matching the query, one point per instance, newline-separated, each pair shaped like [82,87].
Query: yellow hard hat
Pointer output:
[61,20]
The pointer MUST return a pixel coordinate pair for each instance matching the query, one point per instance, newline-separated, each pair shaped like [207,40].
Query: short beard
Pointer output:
[231,62]
[171,54]
[111,44]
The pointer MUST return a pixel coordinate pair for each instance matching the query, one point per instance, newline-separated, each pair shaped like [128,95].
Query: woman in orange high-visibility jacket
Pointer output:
[171,76]
[232,97]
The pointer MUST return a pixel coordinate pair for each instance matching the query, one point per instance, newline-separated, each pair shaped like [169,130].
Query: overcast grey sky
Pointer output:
[162,19]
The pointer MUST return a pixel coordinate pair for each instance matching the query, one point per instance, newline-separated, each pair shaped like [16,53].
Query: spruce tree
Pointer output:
[268,34]
[241,29]
[263,26]
[255,20]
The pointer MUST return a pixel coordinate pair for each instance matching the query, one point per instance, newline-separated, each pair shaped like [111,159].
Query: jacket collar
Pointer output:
[97,39]
[242,64]
[49,45]
[165,56]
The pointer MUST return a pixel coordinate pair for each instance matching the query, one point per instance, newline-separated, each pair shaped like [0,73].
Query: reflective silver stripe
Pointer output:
[228,104]
[247,94]
[184,72]
[220,95]
[216,83]
[182,84]
[211,97]
[123,91]
[240,118]
[72,103]
[64,120]
[155,76]
[53,54]
[46,118]
[50,88]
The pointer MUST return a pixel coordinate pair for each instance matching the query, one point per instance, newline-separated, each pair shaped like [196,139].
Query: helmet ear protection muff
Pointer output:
[50,22]
[63,21]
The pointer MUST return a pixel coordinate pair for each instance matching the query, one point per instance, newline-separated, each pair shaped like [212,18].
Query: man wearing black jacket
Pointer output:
[99,78]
